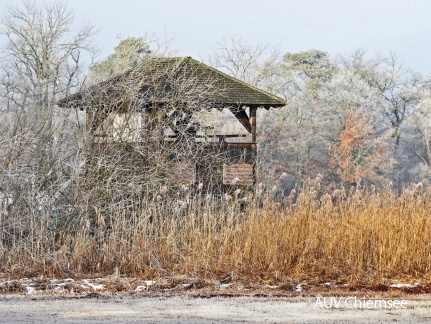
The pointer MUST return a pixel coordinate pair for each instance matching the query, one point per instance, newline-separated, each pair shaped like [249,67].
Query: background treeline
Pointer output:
[349,117]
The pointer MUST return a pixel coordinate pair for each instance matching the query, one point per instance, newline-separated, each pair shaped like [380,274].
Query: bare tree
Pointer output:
[257,64]
[42,61]
[43,51]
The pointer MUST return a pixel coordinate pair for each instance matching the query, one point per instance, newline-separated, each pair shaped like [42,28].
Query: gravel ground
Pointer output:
[97,308]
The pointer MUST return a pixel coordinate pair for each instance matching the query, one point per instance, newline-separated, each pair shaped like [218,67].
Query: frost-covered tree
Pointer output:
[312,68]
[292,136]
[358,135]
[398,86]
[417,139]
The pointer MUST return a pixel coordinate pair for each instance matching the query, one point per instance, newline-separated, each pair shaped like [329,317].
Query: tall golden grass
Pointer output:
[356,236]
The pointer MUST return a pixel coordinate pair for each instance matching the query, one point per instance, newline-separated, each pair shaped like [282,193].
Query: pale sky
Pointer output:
[335,26]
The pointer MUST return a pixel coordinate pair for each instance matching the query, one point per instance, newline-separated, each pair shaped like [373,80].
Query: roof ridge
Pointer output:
[183,60]
[240,81]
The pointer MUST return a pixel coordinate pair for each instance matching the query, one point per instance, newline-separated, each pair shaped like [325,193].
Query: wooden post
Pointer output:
[253,110]
[144,123]
[89,123]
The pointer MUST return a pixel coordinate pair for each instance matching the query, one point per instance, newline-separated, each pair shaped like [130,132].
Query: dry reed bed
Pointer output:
[356,236]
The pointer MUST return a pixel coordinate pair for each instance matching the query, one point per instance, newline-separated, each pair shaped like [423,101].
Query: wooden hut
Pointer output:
[165,101]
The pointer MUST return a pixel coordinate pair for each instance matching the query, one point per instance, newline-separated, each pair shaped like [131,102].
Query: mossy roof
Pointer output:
[157,78]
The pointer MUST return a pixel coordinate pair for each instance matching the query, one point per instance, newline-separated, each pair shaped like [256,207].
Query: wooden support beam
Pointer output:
[253,111]
[145,122]
[94,120]
[241,115]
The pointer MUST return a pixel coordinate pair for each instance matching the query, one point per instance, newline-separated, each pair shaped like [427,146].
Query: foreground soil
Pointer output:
[187,309]
[116,299]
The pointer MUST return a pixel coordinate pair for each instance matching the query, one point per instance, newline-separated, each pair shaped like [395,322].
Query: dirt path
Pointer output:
[134,309]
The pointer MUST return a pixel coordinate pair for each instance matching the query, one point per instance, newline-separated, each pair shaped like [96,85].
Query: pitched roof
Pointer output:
[156,78]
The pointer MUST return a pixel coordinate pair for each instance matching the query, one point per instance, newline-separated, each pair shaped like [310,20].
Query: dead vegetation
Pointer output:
[359,237]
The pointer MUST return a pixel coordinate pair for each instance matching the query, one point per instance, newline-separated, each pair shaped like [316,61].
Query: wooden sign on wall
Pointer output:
[238,174]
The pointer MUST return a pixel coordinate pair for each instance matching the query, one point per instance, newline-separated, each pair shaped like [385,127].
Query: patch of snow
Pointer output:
[94,286]
[186,285]
[29,288]
[327,283]
[224,286]
[147,283]
[59,286]
[298,287]
[404,285]
[140,288]
[273,287]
